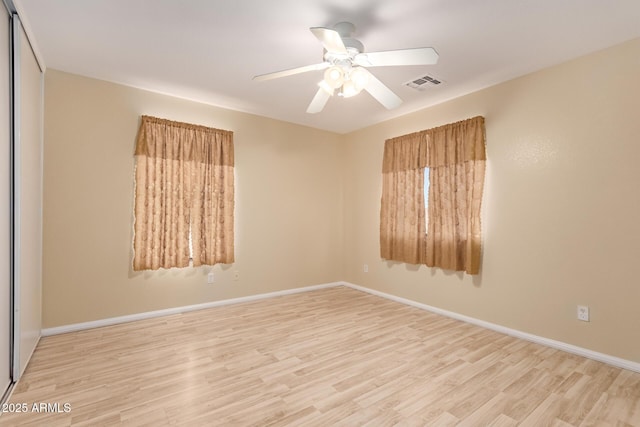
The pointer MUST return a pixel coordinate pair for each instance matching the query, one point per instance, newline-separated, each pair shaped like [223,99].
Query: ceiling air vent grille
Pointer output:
[422,83]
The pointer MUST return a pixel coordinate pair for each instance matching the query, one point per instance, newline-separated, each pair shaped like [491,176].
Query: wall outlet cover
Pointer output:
[583,313]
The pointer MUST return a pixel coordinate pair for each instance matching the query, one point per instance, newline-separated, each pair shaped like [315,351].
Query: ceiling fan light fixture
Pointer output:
[360,78]
[334,77]
[349,89]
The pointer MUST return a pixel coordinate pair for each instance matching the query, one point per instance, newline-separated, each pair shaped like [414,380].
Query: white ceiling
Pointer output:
[208,50]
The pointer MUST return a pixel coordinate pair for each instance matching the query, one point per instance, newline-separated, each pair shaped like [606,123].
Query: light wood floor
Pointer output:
[330,357]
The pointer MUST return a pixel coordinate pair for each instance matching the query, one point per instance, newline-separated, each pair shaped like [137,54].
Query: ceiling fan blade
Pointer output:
[319,101]
[381,92]
[417,56]
[291,71]
[330,39]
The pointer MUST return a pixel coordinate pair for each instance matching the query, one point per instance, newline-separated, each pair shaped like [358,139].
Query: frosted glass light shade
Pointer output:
[349,89]
[360,78]
[334,76]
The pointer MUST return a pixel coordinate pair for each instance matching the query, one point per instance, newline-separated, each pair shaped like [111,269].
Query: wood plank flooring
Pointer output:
[330,357]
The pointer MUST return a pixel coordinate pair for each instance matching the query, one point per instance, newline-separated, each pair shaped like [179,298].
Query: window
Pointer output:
[190,246]
[184,197]
[433,180]
[426,200]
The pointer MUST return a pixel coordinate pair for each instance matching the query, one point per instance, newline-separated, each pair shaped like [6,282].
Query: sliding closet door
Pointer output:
[28,96]
[5,204]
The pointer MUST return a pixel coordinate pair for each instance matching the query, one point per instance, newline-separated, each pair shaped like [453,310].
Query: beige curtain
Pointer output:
[184,184]
[213,193]
[455,156]
[402,221]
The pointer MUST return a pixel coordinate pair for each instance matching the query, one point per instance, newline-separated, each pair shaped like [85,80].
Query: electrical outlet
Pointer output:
[210,278]
[365,268]
[583,313]
[236,275]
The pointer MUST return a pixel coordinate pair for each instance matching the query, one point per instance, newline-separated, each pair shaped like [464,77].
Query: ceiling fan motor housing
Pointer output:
[353,45]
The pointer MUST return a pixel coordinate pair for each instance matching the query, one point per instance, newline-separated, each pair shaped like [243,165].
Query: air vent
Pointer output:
[424,82]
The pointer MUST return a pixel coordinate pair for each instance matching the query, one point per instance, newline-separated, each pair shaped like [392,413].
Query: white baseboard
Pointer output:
[569,348]
[177,310]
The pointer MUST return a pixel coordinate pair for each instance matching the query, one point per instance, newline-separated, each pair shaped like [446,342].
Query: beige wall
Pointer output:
[288,204]
[560,212]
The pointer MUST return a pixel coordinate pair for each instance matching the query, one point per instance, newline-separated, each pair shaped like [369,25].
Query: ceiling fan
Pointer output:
[345,64]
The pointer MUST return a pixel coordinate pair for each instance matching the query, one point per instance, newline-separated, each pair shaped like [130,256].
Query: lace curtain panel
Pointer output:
[184,186]
[455,156]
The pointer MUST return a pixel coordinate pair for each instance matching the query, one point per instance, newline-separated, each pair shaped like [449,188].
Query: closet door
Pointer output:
[5,203]
[27,199]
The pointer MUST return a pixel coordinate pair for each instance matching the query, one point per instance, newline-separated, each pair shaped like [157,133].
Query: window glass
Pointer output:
[426,199]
